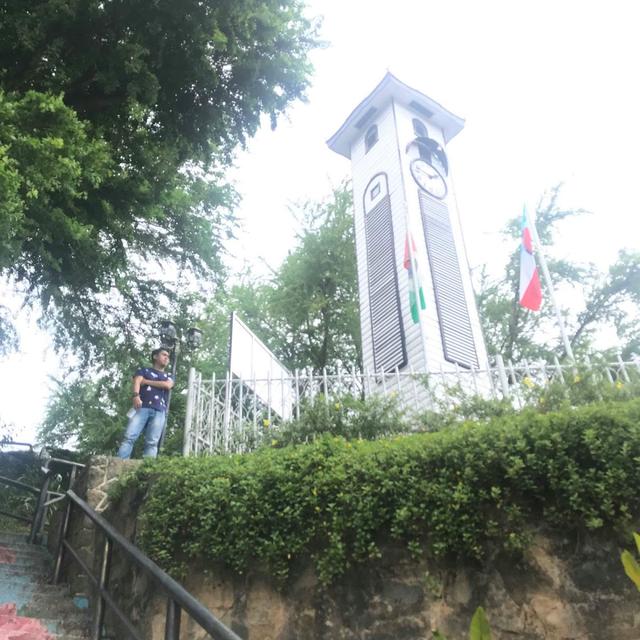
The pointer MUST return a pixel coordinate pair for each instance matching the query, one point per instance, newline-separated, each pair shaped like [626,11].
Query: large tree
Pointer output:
[116,119]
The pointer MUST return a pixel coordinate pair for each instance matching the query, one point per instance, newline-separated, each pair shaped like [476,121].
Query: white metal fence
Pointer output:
[225,415]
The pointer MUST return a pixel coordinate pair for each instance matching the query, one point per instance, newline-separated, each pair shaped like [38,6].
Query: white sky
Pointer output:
[549,91]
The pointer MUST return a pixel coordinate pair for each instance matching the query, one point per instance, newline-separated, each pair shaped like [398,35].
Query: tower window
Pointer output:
[419,129]
[371,137]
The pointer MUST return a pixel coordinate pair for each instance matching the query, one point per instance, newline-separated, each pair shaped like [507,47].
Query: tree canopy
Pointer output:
[192,76]
[116,120]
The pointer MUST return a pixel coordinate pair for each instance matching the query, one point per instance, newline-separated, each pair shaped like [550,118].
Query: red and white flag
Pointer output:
[530,291]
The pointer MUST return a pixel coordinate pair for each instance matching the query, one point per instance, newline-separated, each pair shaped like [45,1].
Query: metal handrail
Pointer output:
[19,485]
[11,443]
[44,494]
[178,598]
[36,519]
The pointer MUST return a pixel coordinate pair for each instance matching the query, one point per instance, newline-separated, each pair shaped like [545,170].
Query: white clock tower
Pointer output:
[417,308]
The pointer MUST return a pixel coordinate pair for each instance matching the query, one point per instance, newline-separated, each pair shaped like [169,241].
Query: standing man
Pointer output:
[150,394]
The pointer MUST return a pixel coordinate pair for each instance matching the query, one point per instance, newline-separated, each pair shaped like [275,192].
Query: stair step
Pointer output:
[8,557]
[65,612]
[41,588]
[24,546]
[25,599]
[39,606]
[19,584]
[70,626]
[28,561]
[36,574]
[19,538]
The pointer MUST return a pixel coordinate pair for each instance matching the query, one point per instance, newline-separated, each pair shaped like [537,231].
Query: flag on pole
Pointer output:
[530,291]
[416,294]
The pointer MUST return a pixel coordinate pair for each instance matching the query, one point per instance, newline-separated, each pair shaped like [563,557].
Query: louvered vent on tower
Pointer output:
[389,349]
[455,325]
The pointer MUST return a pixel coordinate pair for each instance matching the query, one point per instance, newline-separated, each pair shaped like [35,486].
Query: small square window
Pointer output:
[375,191]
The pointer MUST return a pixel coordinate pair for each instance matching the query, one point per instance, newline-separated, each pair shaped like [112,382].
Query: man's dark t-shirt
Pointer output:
[152,397]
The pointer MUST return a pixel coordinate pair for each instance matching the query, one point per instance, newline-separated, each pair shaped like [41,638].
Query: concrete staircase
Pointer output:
[30,608]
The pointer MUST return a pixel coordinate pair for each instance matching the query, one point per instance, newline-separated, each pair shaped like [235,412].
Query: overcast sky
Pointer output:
[549,92]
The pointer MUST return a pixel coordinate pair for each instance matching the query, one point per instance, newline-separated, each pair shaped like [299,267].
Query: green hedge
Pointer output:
[456,493]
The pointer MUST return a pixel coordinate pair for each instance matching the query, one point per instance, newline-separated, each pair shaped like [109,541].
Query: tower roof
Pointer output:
[392,88]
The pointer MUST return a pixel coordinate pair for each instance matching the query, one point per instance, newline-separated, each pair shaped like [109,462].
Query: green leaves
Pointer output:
[203,87]
[307,312]
[479,629]
[631,566]
[340,501]
[115,124]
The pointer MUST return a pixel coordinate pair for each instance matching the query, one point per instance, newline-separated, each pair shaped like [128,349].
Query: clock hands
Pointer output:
[429,179]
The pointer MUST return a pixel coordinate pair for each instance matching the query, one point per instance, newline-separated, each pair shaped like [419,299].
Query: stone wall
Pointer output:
[560,589]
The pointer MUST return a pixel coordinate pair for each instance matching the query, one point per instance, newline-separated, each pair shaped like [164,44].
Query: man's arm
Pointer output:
[159,384]
[135,387]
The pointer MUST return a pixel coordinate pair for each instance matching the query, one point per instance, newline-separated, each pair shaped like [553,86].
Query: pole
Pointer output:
[547,278]
[174,366]
[188,417]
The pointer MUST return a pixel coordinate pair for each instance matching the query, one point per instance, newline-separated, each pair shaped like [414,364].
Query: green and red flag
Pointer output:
[416,294]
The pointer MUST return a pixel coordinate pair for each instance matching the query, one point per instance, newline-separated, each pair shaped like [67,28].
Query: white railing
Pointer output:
[233,415]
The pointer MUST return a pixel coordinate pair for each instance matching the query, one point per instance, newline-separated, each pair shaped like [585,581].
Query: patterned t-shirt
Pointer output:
[152,397]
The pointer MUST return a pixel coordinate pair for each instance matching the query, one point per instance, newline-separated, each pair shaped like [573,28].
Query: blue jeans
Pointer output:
[153,422]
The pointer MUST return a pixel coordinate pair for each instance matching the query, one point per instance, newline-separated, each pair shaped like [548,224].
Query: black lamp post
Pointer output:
[170,340]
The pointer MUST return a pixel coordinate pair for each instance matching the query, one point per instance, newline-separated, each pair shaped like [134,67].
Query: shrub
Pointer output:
[455,405]
[345,416]
[583,386]
[457,493]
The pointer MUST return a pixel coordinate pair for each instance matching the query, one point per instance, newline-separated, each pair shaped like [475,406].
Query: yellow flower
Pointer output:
[576,379]
[266,422]
[527,382]
[619,384]
[337,406]
[274,443]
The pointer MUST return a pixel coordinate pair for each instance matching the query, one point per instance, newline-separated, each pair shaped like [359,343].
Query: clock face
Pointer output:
[428,178]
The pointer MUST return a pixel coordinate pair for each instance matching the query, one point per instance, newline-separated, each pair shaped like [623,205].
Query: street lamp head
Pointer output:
[194,338]
[168,333]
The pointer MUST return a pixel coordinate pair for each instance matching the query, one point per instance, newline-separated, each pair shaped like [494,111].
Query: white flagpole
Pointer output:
[547,277]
